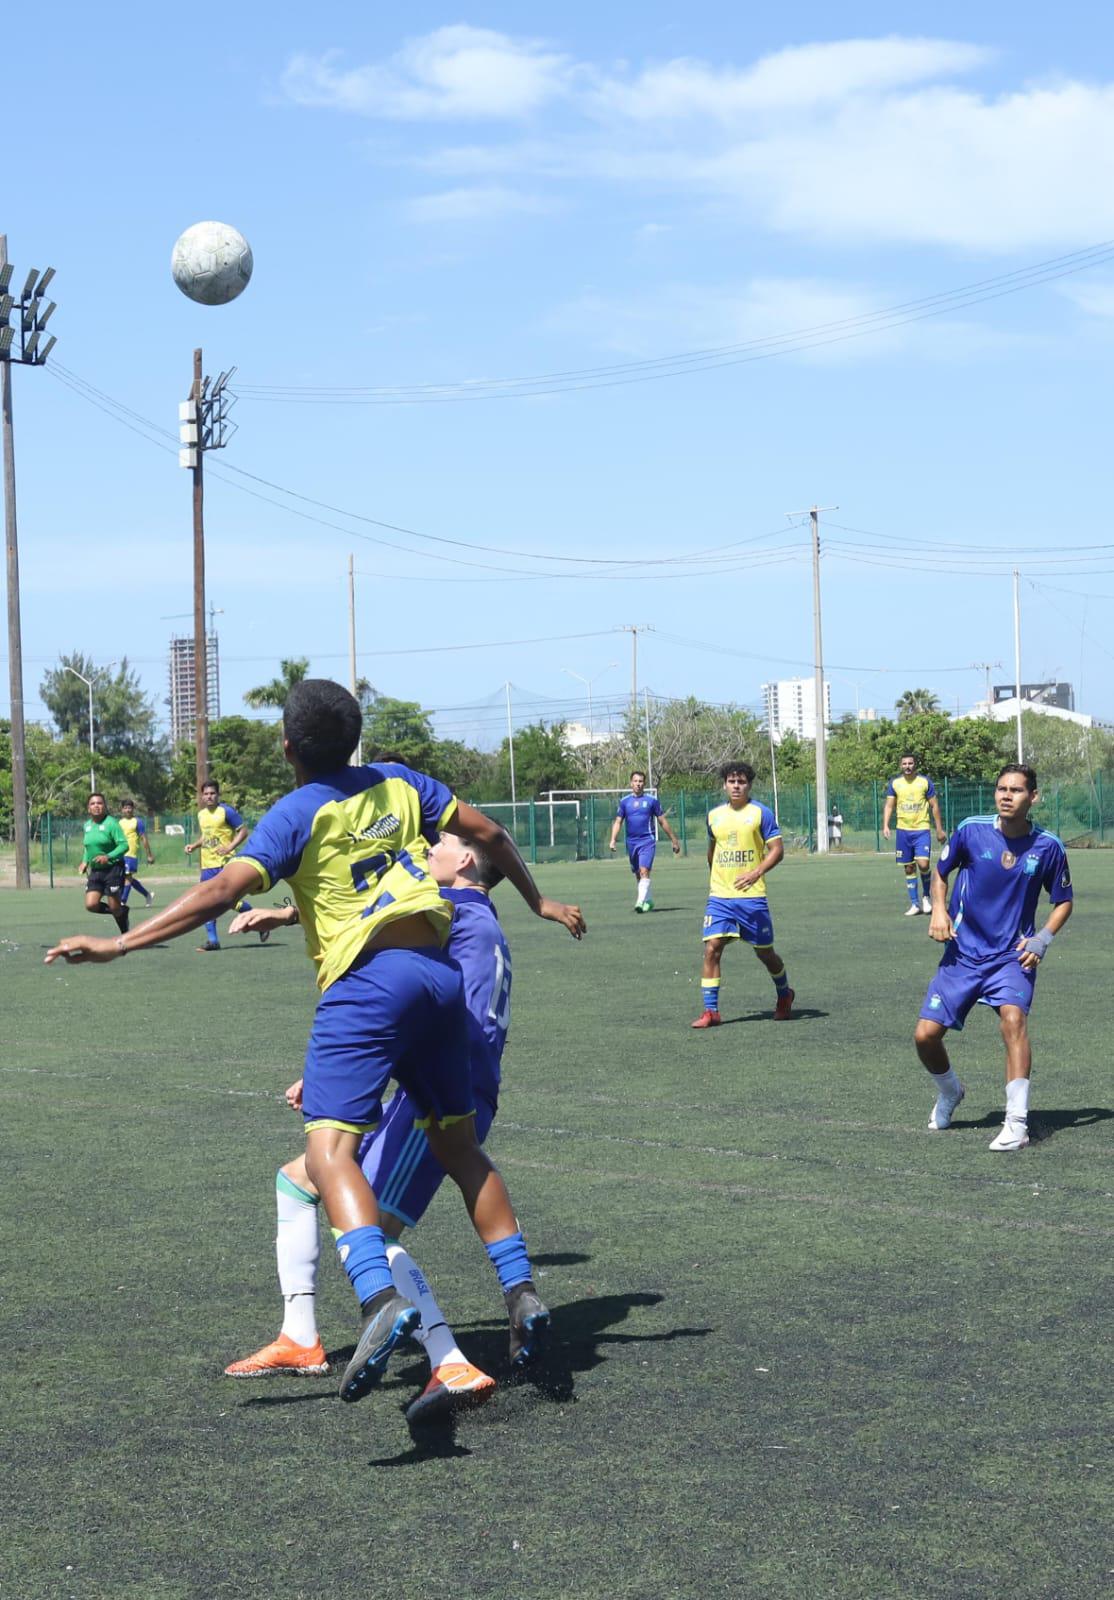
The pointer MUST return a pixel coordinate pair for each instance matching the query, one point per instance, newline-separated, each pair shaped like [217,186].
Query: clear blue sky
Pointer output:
[462,196]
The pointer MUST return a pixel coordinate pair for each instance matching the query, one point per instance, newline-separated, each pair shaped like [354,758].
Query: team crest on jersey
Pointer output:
[1008,858]
[936,1002]
[1032,862]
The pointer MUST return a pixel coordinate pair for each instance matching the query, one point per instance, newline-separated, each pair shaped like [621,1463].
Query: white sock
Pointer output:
[643,891]
[946,1082]
[297,1250]
[1017,1100]
[434,1334]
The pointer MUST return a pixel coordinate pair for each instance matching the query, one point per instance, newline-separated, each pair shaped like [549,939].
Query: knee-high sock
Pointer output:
[643,891]
[297,1252]
[435,1333]
[211,933]
[911,888]
[135,884]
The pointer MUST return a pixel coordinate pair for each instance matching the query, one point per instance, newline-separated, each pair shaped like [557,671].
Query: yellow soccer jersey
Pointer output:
[912,796]
[352,845]
[740,842]
[218,826]
[129,827]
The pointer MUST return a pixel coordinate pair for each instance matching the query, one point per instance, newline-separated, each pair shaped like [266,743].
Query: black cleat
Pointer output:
[387,1321]
[264,935]
[529,1324]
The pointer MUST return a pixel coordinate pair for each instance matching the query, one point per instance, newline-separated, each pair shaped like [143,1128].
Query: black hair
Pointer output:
[126,802]
[322,723]
[908,756]
[97,795]
[743,767]
[638,773]
[211,783]
[487,873]
[1028,773]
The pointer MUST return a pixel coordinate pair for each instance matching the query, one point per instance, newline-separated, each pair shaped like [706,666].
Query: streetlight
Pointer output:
[88,682]
[589,682]
[18,343]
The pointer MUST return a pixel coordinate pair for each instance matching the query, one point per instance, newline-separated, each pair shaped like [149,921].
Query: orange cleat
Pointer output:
[784,1006]
[454,1386]
[710,1019]
[295,1360]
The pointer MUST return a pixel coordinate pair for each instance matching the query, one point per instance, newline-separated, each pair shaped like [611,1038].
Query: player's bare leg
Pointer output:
[775,966]
[1014,1025]
[710,971]
[929,1040]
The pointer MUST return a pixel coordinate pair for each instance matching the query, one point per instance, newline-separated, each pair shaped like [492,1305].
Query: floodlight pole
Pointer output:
[200,652]
[31,320]
[818,658]
[88,682]
[357,756]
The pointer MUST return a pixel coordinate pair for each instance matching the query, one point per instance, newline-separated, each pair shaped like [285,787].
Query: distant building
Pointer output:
[183,698]
[1006,711]
[578,734]
[1041,694]
[791,707]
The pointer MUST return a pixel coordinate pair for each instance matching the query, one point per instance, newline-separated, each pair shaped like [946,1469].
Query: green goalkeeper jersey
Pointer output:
[104,838]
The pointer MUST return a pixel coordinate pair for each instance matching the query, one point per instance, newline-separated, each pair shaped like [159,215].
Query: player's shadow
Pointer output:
[1043,1124]
[579,1336]
[798,1014]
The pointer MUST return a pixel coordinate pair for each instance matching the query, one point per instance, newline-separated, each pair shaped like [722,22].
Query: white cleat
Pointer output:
[926,905]
[913,911]
[944,1109]
[1013,1136]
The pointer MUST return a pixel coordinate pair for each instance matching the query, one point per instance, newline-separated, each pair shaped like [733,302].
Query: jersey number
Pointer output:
[374,867]
[500,1009]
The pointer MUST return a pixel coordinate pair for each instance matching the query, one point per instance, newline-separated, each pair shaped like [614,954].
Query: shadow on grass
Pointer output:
[798,1014]
[1043,1124]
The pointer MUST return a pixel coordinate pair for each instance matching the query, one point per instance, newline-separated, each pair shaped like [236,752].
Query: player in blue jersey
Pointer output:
[352,842]
[637,811]
[396,1159]
[989,926]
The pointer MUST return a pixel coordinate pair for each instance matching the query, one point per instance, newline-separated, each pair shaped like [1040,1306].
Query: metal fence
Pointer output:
[578,829]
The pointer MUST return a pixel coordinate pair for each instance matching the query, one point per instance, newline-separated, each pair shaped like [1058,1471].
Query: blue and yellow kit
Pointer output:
[218,825]
[912,796]
[738,840]
[133,829]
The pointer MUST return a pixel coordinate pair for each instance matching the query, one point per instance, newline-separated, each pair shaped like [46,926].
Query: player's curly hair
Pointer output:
[322,723]
[736,766]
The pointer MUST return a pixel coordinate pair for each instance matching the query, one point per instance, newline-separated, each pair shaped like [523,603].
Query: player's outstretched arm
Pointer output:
[193,909]
[497,842]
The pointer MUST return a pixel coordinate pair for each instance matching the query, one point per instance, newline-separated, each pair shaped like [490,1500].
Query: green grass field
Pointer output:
[802,1348]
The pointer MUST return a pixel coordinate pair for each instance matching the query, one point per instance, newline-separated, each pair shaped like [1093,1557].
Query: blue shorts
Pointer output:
[398,1163]
[130,863]
[748,920]
[913,844]
[394,1014]
[959,984]
[641,854]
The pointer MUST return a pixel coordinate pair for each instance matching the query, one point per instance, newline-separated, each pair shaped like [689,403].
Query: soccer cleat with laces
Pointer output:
[914,910]
[283,1356]
[204,949]
[529,1323]
[710,1019]
[784,1008]
[454,1386]
[944,1109]
[1011,1136]
[387,1321]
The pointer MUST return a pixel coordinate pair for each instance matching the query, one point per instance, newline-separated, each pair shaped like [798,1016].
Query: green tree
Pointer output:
[398,728]
[245,758]
[275,693]
[915,702]
[542,761]
[965,748]
[129,754]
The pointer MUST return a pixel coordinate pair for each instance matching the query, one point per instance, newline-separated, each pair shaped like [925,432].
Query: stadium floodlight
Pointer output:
[6,337]
[6,275]
[30,312]
[30,345]
[32,280]
[44,280]
[7,301]
[47,314]
[46,349]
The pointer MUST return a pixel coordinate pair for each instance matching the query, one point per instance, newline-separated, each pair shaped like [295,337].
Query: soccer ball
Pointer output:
[211,263]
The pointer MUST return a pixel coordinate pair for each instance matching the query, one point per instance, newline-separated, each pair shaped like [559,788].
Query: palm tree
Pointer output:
[914,702]
[275,692]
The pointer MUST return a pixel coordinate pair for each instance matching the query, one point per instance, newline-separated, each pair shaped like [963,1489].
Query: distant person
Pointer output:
[911,794]
[835,828]
[222,831]
[744,843]
[134,829]
[993,949]
[104,847]
[637,811]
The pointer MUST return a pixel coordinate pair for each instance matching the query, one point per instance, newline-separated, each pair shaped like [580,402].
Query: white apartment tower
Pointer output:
[183,701]
[791,707]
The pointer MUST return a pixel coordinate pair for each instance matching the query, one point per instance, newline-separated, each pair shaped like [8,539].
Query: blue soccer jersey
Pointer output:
[994,901]
[478,946]
[638,812]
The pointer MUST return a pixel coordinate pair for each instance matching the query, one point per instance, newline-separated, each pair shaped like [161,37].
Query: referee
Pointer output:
[102,862]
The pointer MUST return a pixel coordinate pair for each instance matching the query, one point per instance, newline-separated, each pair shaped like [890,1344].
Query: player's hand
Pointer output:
[570,917]
[676,848]
[293,1096]
[82,948]
[747,880]
[611,847]
[83,867]
[885,830]
[1029,959]
[941,836]
[100,861]
[940,927]
[260,918]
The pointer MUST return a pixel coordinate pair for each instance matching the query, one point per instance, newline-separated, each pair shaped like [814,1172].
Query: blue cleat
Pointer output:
[388,1321]
[529,1324]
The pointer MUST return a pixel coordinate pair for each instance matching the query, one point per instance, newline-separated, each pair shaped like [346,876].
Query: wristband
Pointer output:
[1039,944]
[121,947]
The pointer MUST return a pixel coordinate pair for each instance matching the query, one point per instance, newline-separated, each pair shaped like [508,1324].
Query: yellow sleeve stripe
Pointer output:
[260,868]
[345,1127]
[448,811]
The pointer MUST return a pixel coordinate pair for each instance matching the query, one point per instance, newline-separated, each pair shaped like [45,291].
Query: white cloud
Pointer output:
[455,72]
[482,203]
[1095,297]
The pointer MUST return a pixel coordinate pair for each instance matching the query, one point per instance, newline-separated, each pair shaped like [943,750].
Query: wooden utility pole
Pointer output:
[15,635]
[357,756]
[200,652]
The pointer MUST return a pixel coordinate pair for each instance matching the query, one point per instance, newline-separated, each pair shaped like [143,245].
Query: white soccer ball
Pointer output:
[211,263]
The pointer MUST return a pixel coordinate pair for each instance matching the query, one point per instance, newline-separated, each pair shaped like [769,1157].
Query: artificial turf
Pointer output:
[801,1347]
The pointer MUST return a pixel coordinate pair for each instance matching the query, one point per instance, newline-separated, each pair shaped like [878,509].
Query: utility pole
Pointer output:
[634,629]
[1017,654]
[818,658]
[357,756]
[31,319]
[510,749]
[202,425]
[986,666]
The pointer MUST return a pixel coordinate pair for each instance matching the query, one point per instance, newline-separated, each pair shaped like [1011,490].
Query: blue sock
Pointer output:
[363,1255]
[781,980]
[710,994]
[926,883]
[509,1258]
[911,888]
[135,884]
[211,933]
[124,893]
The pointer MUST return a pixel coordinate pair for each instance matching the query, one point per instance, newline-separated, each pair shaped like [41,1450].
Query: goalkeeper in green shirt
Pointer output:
[102,862]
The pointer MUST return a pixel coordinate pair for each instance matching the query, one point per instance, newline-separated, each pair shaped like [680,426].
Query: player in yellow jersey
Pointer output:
[911,795]
[353,844]
[744,843]
[134,829]
[221,831]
